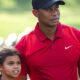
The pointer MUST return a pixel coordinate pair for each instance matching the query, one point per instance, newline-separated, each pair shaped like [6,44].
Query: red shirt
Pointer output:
[45,59]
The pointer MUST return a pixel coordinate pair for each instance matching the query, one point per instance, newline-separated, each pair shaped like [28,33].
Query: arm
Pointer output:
[21,47]
[79,72]
[77,33]
[79,68]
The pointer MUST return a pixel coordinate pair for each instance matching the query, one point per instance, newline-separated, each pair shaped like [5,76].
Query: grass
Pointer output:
[17,22]
[71,17]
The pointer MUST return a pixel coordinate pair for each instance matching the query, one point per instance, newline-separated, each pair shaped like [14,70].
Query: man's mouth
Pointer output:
[55,19]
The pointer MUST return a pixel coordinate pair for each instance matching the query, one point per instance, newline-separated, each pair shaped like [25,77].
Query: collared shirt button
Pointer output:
[52,44]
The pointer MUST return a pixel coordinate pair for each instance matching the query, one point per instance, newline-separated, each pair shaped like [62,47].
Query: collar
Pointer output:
[59,33]
[42,37]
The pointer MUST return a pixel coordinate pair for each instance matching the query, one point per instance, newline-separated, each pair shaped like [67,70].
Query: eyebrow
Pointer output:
[14,61]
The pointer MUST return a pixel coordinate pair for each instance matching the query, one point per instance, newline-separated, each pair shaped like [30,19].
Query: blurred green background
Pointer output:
[16,15]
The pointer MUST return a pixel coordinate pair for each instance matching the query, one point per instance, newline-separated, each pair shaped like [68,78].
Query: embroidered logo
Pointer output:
[68,47]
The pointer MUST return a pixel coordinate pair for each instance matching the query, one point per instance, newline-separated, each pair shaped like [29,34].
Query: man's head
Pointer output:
[47,11]
[37,4]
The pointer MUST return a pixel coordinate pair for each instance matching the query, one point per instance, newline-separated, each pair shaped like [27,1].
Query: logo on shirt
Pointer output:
[68,47]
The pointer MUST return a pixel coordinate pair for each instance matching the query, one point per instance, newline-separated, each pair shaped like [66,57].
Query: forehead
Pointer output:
[12,58]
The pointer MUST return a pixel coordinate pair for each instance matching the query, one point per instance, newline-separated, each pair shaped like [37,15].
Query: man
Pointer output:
[51,51]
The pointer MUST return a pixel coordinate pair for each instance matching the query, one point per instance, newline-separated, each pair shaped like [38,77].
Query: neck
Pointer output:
[48,31]
[7,78]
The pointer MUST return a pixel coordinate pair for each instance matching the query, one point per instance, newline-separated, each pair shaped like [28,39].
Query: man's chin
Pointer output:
[54,24]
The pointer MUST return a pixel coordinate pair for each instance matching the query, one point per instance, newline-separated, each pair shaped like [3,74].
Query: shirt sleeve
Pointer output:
[77,33]
[21,47]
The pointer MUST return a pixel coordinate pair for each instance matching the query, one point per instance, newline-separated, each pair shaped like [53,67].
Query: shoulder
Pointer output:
[22,43]
[76,31]
[24,38]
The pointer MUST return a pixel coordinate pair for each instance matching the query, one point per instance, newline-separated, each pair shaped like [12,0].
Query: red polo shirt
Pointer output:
[46,59]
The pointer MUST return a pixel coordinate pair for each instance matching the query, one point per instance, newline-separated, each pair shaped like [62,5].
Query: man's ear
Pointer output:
[35,13]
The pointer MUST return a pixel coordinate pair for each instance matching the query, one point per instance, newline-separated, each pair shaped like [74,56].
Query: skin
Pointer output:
[48,20]
[79,72]
[11,68]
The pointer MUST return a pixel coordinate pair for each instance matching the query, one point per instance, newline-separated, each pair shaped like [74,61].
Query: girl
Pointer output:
[10,66]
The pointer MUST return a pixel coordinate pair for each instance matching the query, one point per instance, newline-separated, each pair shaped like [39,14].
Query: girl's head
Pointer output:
[10,62]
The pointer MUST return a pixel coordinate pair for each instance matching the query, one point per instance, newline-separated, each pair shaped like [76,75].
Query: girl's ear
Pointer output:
[35,13]
[0,72]
[0,69]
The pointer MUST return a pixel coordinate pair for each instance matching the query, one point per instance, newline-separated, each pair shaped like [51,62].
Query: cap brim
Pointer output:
[52,2]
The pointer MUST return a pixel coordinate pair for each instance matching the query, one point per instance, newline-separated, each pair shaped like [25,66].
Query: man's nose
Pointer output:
[53,12]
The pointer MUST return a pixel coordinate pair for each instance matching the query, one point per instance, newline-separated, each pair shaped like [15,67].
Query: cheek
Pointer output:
[19,67]
[43,17]
[43,14]
[58,13]
[7,68]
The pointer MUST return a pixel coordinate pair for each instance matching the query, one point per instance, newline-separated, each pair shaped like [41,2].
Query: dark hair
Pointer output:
[5,52]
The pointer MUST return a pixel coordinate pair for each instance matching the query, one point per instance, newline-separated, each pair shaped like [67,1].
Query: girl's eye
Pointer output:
[18,62]
[10,63]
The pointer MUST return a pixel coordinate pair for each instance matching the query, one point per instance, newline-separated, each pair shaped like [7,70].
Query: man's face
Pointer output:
[49,16]
[11,67]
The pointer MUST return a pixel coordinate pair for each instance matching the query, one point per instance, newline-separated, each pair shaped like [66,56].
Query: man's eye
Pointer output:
[48,9]
[57,6]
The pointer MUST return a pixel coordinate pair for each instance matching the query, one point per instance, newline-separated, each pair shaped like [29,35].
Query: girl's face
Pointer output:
[11,67]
